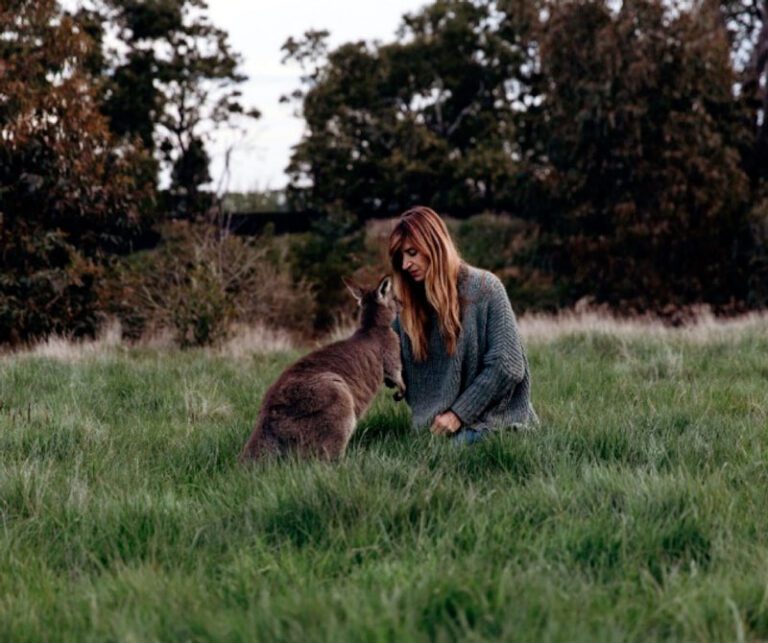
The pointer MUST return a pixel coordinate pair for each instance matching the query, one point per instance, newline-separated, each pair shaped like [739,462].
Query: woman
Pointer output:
[464,366]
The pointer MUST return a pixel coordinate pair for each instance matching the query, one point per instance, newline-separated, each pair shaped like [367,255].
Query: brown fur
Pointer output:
[313,407]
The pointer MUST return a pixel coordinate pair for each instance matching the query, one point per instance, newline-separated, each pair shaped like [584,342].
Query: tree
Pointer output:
[69,195]
[759,84]
[627,131]
[644,151]
[442,116]
[747,24]
[176,80]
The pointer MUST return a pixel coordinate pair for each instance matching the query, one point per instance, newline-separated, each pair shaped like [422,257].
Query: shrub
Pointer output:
[55,296]
[201,280]
[491,241]
[331,250]
[509,247]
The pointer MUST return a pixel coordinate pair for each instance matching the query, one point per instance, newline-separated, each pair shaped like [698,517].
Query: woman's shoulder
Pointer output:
[476,284]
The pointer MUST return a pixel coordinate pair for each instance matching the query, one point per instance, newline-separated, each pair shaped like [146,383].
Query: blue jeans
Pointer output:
[469,436]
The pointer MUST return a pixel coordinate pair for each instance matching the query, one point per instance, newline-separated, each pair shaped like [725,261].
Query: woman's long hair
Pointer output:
[440,290]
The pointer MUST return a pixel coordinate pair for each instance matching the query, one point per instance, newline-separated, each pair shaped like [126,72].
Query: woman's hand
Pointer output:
[446,424]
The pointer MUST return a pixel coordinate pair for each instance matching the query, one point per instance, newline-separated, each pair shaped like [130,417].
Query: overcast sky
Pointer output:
[257,30]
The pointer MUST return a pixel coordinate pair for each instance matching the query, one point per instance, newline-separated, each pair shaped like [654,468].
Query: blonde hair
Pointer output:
[440,290]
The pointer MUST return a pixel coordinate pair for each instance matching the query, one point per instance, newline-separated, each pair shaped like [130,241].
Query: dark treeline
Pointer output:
[630,134]
[627,142]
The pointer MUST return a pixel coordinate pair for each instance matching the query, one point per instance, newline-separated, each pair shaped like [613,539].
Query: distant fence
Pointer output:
[252,223]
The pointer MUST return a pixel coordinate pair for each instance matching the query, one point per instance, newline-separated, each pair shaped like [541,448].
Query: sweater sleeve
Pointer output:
[503,363]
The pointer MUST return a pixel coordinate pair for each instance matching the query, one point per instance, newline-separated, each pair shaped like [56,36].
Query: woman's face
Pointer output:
[414,262]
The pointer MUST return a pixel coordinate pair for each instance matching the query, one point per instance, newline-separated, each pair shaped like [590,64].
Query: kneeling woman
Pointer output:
[464,366]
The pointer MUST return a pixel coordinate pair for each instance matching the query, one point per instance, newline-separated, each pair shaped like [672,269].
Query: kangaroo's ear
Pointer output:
[385,287]
[356,291]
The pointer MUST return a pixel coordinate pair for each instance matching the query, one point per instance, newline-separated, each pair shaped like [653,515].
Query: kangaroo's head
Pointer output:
[378,307]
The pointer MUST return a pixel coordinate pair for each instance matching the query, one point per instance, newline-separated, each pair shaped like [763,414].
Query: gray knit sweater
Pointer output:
[486,383]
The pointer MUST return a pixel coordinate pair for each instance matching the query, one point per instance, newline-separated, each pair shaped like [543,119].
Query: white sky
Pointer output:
[256,31]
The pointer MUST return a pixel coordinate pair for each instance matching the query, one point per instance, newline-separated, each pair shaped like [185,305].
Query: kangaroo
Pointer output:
[313,407]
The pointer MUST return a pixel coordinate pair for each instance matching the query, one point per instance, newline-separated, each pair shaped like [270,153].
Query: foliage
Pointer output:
[201,281]
[511,248]
[255,201]
[627,140]
[490,241]
[69,195]
[628,133]
[177,80]
[330,251]
[747,24]
[643,145]
[636,512]
[439,117]
[758,266]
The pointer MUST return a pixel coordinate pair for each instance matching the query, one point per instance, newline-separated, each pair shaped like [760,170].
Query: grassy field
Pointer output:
[638,511]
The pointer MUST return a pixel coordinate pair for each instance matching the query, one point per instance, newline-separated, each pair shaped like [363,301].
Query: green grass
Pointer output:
[638,511]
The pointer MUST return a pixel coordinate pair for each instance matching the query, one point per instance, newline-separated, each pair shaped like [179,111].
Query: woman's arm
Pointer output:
[503,364]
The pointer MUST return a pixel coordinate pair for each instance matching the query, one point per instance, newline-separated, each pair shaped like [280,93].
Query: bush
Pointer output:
[333,249]
[201,280]
[510,248]
[56,296]
[491,241]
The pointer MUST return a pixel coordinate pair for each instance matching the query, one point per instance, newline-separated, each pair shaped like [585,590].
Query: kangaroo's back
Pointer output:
[315,404]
